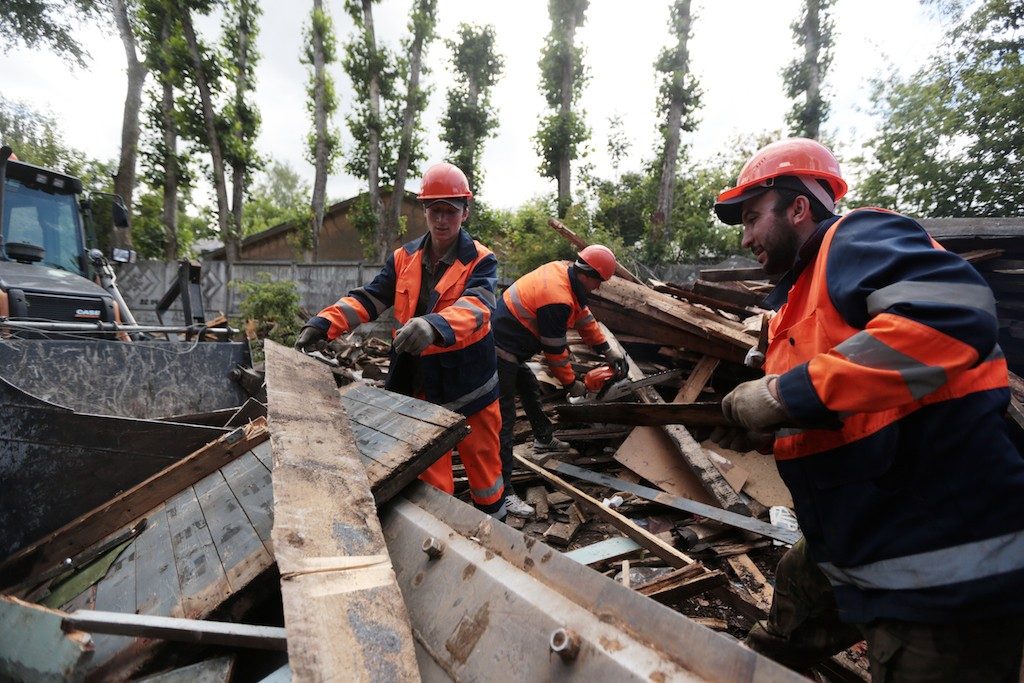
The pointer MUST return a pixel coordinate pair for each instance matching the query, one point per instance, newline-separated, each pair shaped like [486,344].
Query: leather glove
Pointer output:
[576,389]
[415,336]
[741,441]
[311,339]
[752,405]
[618,362]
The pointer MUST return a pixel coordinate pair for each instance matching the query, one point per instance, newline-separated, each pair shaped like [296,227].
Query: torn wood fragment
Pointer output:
[184,630]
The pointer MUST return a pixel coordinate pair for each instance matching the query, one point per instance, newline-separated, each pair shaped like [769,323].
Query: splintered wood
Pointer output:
[343,610]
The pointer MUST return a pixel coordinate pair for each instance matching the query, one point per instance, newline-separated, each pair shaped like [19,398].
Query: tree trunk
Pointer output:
[666,190]
[565,114]
[812,47]
[405,144]
[238,166]
[320,126]
[124,180]
[473,103]
[170,163]
[373,153]
[231,249]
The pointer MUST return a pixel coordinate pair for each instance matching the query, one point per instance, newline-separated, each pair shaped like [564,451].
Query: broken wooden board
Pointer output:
[645,414]
[343,609]
[763,482]
[216,670]
[562,533]
[185,630]
[608,550]
[33,646]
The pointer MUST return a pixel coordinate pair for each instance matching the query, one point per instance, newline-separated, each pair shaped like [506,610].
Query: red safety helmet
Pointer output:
[800,158]
[599,260]
[444,181]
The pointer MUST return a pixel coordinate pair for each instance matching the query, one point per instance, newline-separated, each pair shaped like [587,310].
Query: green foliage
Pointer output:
[278,196]
[951,141]
[36,138]
[321,29]
[812,30]
[149,237]
[48,24]
[273,304]
[677,82]
[470,118]
[240,58]
[364,220]
[618,141]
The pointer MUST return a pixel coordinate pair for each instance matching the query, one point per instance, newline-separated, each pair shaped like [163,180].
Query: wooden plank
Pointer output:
[115,592]
[203,583]
[334,560]
[157,589]
[216,670]
[250,481]
[184,630]
[562,533]
[239,547]
[697,380]
[581,244]
[537,496]
[33,646]
[727,274]
[763,482]
[82,532]
[681,589]
[753,580]
[646,414]
[734,295]
[608,550]
[695,298]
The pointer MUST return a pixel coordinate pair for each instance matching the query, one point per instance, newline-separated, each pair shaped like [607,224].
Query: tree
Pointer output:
[951,139]
[278,196]
[678,99]
[241,118]
[562,79]
[36,138]
[372,71]
[124,179]
[804,76]
[47,24]
[618,142]
[421,28]
[323,143]
[470,118]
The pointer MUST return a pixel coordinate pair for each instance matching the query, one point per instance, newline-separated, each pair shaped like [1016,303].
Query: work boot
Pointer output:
[552,445]
[517,507]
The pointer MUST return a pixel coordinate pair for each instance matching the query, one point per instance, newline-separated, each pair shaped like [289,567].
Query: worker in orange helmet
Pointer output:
[885,390]
[534,315]
[442,287]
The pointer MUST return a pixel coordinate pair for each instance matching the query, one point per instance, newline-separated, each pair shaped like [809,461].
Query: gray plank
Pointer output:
[250,481]
[203,583]
[115,593]
[264,455]
[239,547]
[210,671]
[608,549]
[157,589]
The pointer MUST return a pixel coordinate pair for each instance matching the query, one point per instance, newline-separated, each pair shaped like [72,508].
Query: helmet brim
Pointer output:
[730,211]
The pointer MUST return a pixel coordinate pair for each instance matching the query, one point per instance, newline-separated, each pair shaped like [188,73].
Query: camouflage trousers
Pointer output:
[803,628]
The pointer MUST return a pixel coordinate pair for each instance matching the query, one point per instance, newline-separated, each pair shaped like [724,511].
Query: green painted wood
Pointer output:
[608,549]
[250,481]
[157,588]
[203,583]
[84,600]
[239,547]
[33,646]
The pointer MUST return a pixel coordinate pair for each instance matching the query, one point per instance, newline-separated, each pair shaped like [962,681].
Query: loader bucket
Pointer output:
[147,379]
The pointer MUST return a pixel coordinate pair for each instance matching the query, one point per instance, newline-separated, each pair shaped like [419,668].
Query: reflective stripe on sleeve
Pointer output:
[466,399]
[865,349]
[967,562]
[486,295]
[477,313]
[558,363]
[970,296]
[585,320]
[351,315]
[378,305]
[556,342]
[524,315]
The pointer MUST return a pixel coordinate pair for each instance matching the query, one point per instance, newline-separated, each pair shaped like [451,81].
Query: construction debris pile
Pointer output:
[281,534]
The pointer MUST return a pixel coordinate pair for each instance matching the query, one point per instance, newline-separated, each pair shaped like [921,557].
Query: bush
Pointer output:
[274,305]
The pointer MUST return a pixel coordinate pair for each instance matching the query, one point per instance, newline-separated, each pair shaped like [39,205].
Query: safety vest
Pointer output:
[808,324]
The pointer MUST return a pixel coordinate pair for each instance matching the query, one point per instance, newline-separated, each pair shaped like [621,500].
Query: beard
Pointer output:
[781,247]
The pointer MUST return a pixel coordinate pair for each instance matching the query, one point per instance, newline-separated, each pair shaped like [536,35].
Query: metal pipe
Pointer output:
[104,327]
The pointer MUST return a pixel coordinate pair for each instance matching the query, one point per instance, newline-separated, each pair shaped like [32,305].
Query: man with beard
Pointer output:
[886,393]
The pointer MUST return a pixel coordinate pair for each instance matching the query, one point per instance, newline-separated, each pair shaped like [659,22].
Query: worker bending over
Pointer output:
[886,393]
[534,314]
[442,286]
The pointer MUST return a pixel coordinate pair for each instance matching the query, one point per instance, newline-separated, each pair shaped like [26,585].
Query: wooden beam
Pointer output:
[649,414]
[79,534]
[580,244]
[172,628]
[341,599]
[727,274]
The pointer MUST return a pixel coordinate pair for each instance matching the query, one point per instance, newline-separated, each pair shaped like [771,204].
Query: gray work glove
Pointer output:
[311,339]
[752,405]
[415,336]
[618,362]
[576,389]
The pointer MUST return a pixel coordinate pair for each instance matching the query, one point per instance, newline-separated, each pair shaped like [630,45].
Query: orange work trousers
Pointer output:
[480,455]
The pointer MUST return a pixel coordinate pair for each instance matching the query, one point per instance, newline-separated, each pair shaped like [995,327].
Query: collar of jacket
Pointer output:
[466,251]
[807,253]
[577,287]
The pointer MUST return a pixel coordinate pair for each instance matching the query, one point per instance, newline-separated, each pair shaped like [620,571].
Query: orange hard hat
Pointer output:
[597,260]
[794,163]
[444,181]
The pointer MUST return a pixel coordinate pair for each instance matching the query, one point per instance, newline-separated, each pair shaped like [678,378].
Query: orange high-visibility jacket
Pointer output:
[905,481]
[459,372]
[535,313]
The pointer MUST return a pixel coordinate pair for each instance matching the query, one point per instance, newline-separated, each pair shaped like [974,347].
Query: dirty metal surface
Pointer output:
[494,602]
[146,380]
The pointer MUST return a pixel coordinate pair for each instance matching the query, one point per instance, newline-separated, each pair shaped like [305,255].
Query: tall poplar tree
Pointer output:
[803,77]
[562,79]
[470,118]
[124,179]
[323,143]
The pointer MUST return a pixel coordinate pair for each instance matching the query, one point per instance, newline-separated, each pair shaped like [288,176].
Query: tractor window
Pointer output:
[46,220]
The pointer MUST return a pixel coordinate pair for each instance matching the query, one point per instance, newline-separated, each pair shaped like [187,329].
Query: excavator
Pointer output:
[91,401]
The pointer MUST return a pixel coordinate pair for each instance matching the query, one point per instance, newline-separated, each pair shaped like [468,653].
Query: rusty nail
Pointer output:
[433,548]
[565,643]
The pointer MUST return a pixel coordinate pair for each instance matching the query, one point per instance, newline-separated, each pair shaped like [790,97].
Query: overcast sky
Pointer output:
[737,52]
